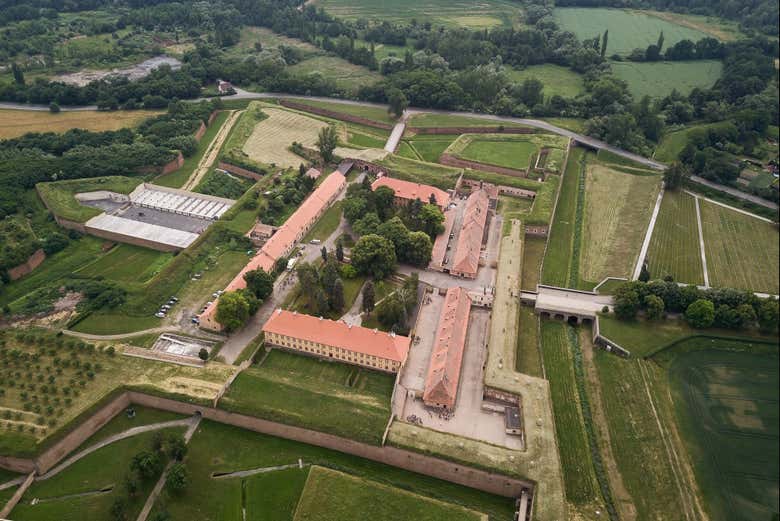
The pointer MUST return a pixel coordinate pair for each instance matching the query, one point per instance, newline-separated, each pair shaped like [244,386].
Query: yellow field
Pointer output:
[271,138]
[617,211]
[14,123]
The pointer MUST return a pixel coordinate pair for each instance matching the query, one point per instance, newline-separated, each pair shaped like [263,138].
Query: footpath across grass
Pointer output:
[307,392]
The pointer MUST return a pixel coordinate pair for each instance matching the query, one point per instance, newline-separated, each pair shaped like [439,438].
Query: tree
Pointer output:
[368,297]
[391,311]
[431,220]
[18,74]
[367,225]
[396,232]
[418,248]
[336,298]
[397,101]
[177,479]
[604,40]
[701,313]
[327,140]
[324,254]
[54,107]
[769,316]
[203,354]
[384,198]
[626,303]
[675,175]
[119,509]
[176,447]
[654,307]
[660,43]
[260,283]
[147,464]
[339,251]
[232,310]
[644,273]
[374,255]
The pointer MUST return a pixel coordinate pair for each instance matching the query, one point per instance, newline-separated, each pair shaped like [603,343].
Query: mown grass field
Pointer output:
[274,495]
[430,147]
[378,114]
[221,448]
[674,247]
[558,81]
[557,261]
[457,13]
[453,120]
[628,29]
[127,263]
[14,123]
[528,359]
[346,75]
[726,403]
[742,252]
[326,225]
[330,495]
[94,477]
[271,137]
[59,196]
[558,355]
[510,153]
[617,212]
[350,402]
[533,256]
[659,79]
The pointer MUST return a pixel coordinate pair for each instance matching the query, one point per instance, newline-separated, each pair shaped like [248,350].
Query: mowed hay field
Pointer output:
[128,263]
[557,80]
[674,247]
[346,75]
[726,402]
[270,139]
[742,251]
[658,79]
[330,495]
[617,212]
[450,13]
[628,29]
[14,123]
[502,151]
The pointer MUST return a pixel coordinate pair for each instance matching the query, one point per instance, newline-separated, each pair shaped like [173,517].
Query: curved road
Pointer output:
[245,95]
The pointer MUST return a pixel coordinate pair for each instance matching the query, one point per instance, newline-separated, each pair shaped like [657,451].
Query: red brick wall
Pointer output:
[35,260]
[450,160]
[199,133]
[243,172]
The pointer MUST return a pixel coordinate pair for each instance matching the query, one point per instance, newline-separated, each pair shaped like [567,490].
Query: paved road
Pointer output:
[736,193]
[397,133]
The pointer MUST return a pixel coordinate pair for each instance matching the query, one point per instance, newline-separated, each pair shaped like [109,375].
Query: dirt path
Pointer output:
[623,501]
[261,470]
[701,243]
[211,152]
[648,235]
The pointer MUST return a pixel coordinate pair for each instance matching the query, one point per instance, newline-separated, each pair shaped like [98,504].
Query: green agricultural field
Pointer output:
[510,153]
[217,448]
[557,261]
[97,483]
[558,81]
[726,403]
[558,356]
[453,120]
[617,212]
[528,359]
[179,177]
[533,256]
[742,251]
[378,114]
[330,495]
[457,13]
[59,195]
[346,75]
[627,29]
[127,263]
[659,79]
[674,247]
[430,147]
[350,401]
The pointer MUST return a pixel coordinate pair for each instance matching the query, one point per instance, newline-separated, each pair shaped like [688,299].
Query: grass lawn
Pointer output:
[274,495]
[742,252]
[674,247]
[179,177]
[222,448]
[326,225]
[732,437]
[533,255]
[558,354]
[14,123]
[672,143]
[511,153]
[628,29]
[121,422]
[350,401]
[617,212]
[406,150]
[441,176]
[558,259]
[378,114]
[59,195]
[658,79]
[127,263]
[453,120]
[114,323]
[90,474]
[430,147]
[558,81]
[330,495]
[528,359]
[457,13]
[346,75]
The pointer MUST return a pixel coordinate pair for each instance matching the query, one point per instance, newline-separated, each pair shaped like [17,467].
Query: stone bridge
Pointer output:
[566,304]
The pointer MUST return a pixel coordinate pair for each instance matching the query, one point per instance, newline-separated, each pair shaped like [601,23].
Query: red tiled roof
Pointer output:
[440,244]
[338,334]
[412,191]
[441,384]
[466,258]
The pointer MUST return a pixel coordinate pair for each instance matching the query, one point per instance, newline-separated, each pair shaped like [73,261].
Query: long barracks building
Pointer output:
[337,340]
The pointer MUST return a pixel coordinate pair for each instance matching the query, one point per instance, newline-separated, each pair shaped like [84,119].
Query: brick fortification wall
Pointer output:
[199,133]
[32,262]
[243,172]
[167,168]
[334,114]
[427,465]
[450,160]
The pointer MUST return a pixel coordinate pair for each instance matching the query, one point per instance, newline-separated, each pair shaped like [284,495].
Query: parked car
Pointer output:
[160,314]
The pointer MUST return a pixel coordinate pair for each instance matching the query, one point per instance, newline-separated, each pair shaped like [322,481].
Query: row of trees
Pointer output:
[723,308]
[235,308]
